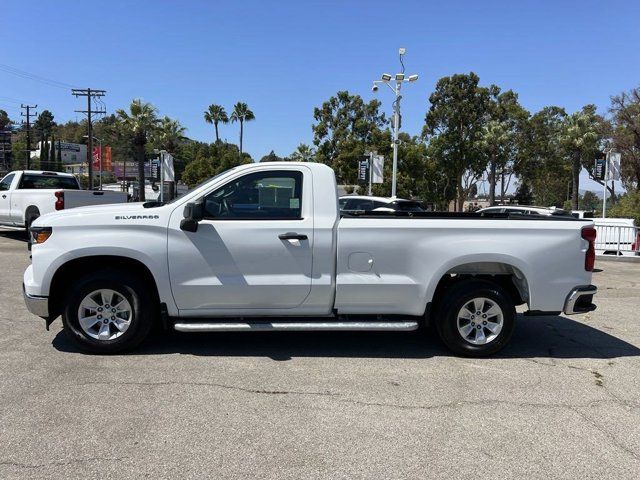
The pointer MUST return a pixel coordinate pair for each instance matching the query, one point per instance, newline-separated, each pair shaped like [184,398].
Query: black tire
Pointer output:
[455,298]
[132,288]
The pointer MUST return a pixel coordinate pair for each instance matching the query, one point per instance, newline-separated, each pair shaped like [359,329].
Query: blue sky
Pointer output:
[284,58]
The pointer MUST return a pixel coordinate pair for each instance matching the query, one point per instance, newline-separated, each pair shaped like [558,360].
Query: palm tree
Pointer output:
[170,134]
[580,138]
[216,114]
[141,122]
[241,113]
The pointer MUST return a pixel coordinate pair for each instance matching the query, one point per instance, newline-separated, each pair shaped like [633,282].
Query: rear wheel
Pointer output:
[476,318]
[108,312]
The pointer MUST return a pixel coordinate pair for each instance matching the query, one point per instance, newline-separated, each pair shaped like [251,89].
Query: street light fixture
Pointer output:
[399,79]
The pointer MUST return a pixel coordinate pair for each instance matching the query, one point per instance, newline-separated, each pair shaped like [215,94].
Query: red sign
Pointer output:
[106,159]
[96,158]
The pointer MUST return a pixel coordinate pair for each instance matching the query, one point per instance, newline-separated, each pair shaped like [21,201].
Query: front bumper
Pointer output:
[37,305]
[580,300]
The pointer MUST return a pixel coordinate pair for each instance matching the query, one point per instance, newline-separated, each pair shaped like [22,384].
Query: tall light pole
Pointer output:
[398,79]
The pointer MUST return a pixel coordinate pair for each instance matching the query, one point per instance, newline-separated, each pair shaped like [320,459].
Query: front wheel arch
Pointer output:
[68,273]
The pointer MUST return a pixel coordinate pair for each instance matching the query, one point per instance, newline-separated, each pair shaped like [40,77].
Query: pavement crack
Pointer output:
[607,433]
[212,384]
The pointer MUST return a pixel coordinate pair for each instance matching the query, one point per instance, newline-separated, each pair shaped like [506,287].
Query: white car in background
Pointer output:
[526,210]
[27,194]
[363,203]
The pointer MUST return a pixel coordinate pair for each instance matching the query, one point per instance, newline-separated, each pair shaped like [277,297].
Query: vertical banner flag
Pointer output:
[169,172]
[106,159]
[363,167]
[96,158]
[378,164]
[598,171]
[614,166]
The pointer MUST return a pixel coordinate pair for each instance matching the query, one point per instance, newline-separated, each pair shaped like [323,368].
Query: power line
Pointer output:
[94,95]
[32,76]
[28,115]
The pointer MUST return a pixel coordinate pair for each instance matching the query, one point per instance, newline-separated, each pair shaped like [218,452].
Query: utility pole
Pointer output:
[90,94]
[398,79]
[28,114]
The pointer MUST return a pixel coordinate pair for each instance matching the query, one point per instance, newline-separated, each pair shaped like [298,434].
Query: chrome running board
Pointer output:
[262,326]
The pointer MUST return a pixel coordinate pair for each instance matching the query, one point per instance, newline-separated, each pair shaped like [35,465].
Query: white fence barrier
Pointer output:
[617,240]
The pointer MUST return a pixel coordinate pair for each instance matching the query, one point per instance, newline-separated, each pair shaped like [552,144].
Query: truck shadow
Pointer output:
[19,235]
[550,337]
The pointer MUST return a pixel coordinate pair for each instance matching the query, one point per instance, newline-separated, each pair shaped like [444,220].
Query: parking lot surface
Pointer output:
[562,401]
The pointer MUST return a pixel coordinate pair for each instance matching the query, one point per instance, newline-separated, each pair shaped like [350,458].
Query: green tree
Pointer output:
[219,157]
[5,121]
[501,139]
[523,194]
[169,134]
[241,113]
[44,126]
[216,114]
[303,153]
[580,138]
[271,157]
[59,165]
[459,112]
[589,201]
[141,121]
[345,128]
[628,206]
[541,163]
[625,109]
[51,160]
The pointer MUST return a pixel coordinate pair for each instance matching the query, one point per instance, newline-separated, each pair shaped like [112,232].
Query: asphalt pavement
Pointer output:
[562,401]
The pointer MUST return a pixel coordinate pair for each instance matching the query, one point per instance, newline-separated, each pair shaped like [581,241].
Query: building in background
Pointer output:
[72,153]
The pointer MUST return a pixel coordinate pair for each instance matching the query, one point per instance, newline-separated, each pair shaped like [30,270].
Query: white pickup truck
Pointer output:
[27,194]
[263,247]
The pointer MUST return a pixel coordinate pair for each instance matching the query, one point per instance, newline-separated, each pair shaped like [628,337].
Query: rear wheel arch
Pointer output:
[505,275]
[65,275]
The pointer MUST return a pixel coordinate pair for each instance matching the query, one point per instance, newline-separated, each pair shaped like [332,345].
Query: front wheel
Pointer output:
[476,318]
[108,312]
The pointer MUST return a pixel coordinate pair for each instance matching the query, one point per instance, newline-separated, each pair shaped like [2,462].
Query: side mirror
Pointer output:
[193,213]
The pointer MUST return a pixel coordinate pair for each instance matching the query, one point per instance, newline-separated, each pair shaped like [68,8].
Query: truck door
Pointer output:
[253,250]
[5,198]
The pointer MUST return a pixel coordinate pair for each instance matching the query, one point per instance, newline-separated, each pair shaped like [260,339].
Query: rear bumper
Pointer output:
[580,300]
[37,305]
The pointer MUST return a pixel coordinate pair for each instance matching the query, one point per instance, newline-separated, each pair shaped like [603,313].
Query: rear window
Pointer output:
[43,182]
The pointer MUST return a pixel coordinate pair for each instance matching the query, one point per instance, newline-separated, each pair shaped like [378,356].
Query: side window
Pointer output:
[273,195]
[360,204]
[5,183]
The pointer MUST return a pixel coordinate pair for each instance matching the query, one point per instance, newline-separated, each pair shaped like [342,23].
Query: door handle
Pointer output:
[292,236]
[4,196]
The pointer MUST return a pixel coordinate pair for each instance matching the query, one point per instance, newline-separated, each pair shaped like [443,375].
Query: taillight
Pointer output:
[589,234]
[636,245]
[59,200]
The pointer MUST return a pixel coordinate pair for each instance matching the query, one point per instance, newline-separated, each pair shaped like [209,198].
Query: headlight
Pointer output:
[40,234]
